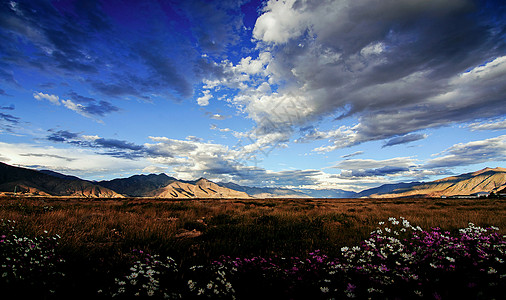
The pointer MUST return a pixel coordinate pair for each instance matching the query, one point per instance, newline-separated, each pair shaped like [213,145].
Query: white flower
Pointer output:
[324,289]
[191,284]
[344,249]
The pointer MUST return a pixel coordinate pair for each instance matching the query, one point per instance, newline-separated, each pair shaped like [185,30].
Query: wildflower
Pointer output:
[344,249]
[450,259]
[324,289]
[191,285]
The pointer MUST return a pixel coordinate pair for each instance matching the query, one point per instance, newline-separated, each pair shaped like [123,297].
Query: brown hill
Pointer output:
[486,180]
[32,182]
[202,188]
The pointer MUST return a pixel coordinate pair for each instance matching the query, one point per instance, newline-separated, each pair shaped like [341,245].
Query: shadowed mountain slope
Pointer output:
[138,185]
[33,182]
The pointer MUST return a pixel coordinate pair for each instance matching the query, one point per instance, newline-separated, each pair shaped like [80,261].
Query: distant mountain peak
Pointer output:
[487,169]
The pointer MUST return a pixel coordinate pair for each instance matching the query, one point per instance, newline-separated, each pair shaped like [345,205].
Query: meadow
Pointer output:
[251,248]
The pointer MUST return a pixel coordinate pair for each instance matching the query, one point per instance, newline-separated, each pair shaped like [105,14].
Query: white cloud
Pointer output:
[204,100]
[383,63]
[78,108]
[215,127]
[279,23]
[363,164]
[499,125]
[83,163]
[476,152]
[154,169]
[51,98]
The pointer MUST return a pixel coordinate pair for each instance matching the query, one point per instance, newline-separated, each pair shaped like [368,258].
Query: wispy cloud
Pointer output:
[466,154]
[408,138]
[352,154]
[497,125]
[91,42]
[109,147]
[85,106]
[400,166]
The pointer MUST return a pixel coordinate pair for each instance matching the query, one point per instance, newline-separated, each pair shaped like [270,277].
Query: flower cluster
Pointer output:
[150,275]
[24,260]
[405,261]
[398,260]
[211,282]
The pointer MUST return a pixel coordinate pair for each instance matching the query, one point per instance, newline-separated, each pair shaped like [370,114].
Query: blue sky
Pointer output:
[317,94]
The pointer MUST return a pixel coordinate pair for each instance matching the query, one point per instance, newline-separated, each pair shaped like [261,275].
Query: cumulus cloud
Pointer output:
[204,100]
[191,159]
[396,67]
[465,154]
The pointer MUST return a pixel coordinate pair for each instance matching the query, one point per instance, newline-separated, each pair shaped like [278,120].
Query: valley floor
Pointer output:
[96,237]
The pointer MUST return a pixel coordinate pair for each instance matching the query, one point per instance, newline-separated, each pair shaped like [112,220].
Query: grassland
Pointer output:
[97,236]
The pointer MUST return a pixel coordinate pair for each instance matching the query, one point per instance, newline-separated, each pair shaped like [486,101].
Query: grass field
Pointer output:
[97,236]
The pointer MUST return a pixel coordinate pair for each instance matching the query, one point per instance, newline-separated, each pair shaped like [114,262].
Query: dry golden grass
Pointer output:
[98,236]
[234,227]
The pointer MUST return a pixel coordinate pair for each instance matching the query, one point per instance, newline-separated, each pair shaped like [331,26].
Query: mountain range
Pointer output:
[49,183]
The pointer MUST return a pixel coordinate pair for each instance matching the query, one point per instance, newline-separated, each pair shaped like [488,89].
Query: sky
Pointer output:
[345,94]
